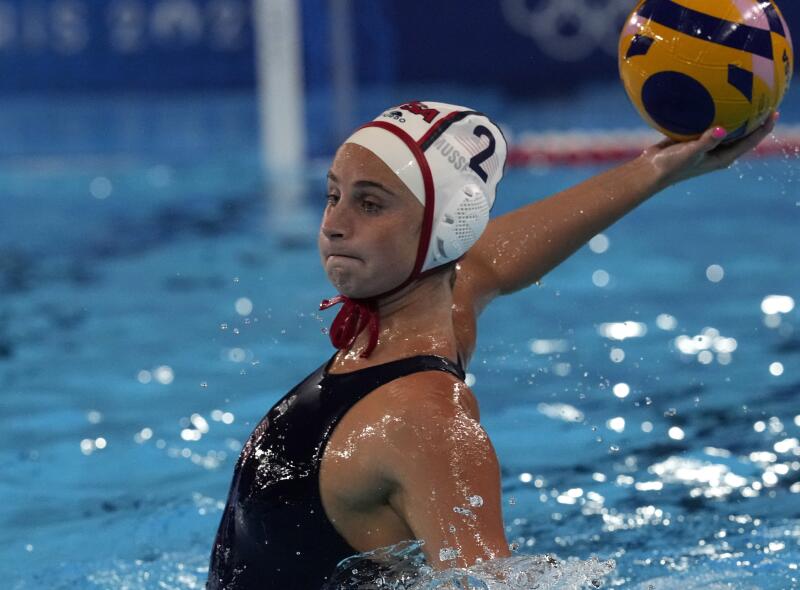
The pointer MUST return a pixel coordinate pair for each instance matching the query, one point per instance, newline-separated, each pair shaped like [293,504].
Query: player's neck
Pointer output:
[416,320]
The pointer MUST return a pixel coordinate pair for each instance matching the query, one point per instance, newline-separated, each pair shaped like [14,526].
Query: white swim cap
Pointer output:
[451,158]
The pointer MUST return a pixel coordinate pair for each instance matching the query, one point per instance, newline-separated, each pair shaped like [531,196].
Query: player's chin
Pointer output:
[348,281]
[359,287]
[340,278]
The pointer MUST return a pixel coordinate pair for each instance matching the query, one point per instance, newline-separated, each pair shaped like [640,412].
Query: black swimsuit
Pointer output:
[274,533]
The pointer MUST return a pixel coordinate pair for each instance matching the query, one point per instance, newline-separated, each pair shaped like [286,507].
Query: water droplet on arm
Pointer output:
[448,553]
[475,501]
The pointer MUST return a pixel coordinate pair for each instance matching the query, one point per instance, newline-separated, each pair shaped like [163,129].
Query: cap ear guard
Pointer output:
[459,226]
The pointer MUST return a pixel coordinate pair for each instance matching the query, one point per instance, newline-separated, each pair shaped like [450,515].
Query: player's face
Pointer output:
[371,226]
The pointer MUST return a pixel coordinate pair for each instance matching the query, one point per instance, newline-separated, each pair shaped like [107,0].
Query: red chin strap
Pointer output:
[354,316]
[357,314]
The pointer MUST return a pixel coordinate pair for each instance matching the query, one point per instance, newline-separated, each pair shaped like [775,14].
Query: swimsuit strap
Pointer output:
[395,369]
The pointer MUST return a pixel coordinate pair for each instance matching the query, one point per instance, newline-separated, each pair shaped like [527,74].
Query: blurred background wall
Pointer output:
[357,55]
[178,44]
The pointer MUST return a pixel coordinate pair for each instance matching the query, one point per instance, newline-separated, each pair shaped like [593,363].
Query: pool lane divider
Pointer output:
[586,147]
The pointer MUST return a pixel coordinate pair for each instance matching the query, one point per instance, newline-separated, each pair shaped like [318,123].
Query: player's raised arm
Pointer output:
[520,247]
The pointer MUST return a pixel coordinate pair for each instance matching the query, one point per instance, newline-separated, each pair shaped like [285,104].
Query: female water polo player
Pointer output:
[383,442]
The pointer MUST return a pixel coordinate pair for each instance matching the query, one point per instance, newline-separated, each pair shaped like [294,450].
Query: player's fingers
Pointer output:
[712,138]
[691,153]
[729,153]
[699,155]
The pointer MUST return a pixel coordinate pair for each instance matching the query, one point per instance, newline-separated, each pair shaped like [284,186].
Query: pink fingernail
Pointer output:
[776,116]
[719,133]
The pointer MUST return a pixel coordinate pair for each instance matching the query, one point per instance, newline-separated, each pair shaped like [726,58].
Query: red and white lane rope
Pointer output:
[580,148]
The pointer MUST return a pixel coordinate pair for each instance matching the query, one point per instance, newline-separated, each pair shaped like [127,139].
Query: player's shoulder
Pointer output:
[429,419]
[430,396]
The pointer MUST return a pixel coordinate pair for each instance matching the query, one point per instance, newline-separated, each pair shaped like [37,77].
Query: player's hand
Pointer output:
[676,161]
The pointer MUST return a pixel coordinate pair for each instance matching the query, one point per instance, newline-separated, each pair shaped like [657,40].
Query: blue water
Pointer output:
[131,228]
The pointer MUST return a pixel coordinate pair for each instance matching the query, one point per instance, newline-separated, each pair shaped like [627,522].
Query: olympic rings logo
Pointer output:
[569,30]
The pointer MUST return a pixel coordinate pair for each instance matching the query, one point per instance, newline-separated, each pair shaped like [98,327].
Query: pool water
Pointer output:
[152,309]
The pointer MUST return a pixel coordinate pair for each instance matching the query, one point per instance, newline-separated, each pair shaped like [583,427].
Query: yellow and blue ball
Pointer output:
[688,65]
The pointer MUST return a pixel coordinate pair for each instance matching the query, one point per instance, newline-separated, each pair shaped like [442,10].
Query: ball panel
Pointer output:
[788,35]
[752,14]
[765,70]
[640,45]
[784,65]
[775,21]
[719,9]
[686,21]
[742,80]
[678,103]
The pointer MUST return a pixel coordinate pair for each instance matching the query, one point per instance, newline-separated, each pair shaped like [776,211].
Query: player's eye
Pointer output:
[370,206]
